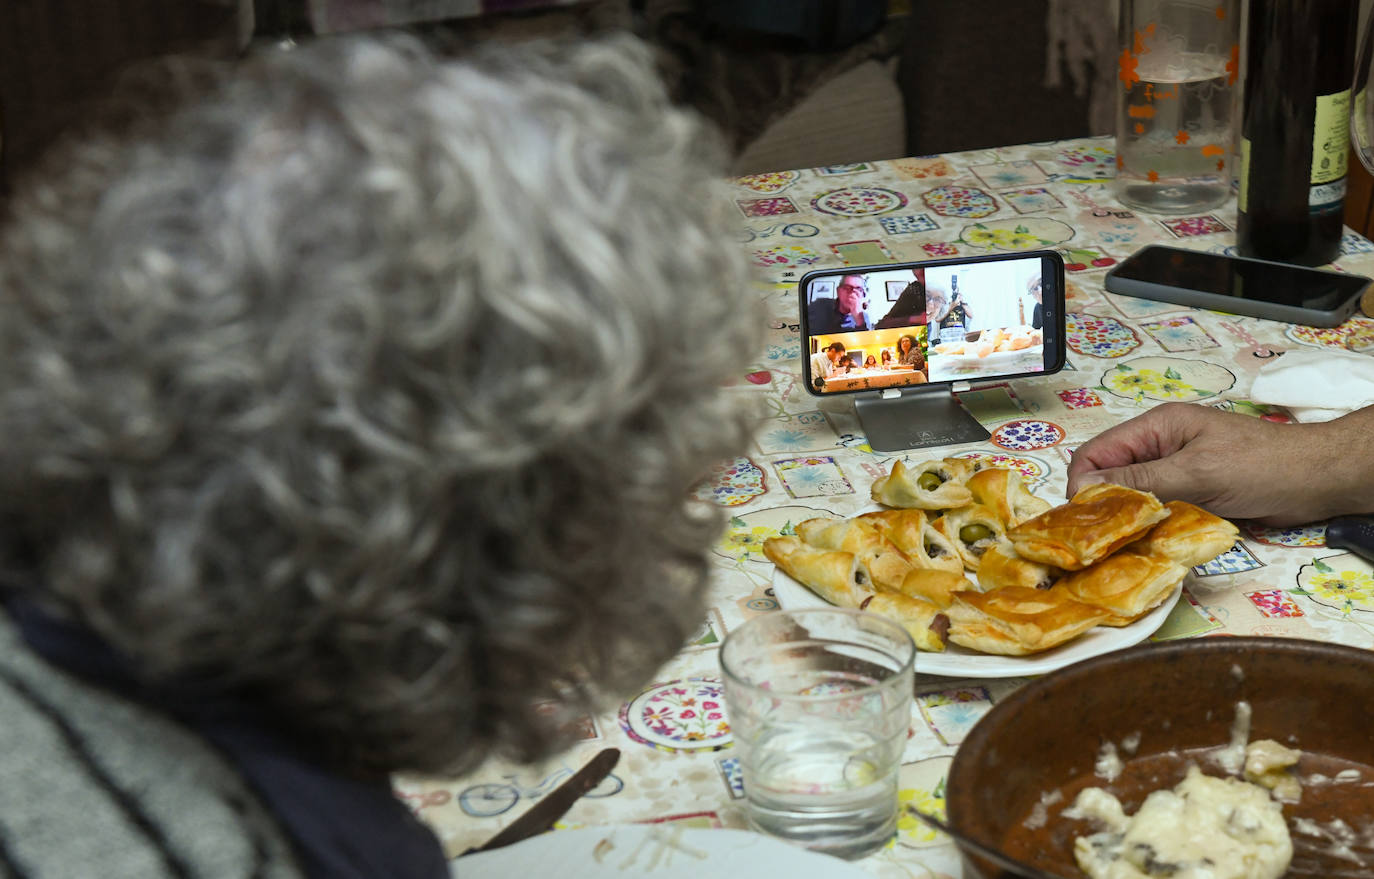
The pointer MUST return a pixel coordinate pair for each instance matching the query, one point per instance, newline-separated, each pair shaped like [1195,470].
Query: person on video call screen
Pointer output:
[938,323]
[847,312]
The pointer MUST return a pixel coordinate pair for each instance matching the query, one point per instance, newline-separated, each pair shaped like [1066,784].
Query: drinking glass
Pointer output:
[820,707]
[1177,75]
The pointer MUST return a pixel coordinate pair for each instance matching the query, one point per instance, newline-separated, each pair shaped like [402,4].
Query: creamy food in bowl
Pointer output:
[1138,763]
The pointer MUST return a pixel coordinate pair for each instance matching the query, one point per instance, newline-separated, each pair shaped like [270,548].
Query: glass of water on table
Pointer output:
[820,707]
[1177,86]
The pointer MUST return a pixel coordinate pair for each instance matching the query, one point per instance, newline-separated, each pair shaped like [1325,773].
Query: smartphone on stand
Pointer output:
[913,331]
[1239,285]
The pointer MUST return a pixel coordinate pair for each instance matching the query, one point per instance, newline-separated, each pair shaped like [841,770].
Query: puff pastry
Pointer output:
[937,587]
[1001,566]
[902,487]
[960,469]
[1017,621]
[833,575]
[1190,536]
[973,529]
[885,564]
[1127,584]
[927,625]
[913,534]
[1098,520]
[1005,492]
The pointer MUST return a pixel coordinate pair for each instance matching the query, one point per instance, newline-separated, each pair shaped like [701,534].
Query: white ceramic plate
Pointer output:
[961,662]
[657,850]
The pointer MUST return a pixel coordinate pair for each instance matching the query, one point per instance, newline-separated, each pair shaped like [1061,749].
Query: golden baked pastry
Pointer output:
[1001,566]
[1098,520]
[973,529]
[885,564]
[1017,621]
[1005,492]
[978,634]
[926,623]
[839,578]
[912,533]
[1107,557]
[929,485]
[831,574]
[1190,536]
[1125,583]
[960,469]
[937,587]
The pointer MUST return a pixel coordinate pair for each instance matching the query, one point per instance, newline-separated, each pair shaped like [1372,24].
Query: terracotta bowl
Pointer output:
[1179,700]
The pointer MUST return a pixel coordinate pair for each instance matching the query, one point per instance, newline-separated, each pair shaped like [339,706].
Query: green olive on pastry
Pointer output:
[929,481]
[974,533]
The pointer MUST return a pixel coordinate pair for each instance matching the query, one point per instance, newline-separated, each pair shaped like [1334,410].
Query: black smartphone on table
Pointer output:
[938,322]
[1239,285]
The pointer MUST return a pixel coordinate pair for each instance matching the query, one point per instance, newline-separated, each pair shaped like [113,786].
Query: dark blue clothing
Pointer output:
[342,828]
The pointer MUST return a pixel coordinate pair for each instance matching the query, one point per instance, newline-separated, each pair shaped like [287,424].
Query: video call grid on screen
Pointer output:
[992,329]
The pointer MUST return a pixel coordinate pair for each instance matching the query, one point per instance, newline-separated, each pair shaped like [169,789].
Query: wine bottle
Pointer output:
[956,307]
[1295,129]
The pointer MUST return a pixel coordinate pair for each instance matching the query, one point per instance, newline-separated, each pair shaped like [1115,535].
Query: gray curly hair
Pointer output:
[374,385]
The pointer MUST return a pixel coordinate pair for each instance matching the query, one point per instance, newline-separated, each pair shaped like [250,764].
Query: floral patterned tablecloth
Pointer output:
[810,458]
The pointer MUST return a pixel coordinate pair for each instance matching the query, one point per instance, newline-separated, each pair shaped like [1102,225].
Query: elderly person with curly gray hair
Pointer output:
[283,509]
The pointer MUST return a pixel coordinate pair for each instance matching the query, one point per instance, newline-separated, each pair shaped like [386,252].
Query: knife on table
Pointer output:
[544,813]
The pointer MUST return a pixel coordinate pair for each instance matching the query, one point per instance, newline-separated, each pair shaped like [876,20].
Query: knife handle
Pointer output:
[1352,533]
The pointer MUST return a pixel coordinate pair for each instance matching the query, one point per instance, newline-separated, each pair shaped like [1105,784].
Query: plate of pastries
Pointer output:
[989,343]
[991,580]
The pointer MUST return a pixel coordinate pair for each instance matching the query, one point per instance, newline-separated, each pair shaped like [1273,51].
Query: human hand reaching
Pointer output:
[1237,466]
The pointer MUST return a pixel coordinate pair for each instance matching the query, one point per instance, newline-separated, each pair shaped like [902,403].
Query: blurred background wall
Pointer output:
[793,83]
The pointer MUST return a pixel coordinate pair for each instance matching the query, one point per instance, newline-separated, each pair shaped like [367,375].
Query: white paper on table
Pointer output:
[659,851]
[1316,385]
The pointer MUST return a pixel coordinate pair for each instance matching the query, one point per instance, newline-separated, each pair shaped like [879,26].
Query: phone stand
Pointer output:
[914,418]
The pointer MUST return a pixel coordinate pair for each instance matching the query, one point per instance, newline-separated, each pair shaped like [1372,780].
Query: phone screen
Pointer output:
[876,327]
[1257,280]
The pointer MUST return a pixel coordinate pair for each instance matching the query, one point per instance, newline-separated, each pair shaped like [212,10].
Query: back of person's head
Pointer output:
[262,422]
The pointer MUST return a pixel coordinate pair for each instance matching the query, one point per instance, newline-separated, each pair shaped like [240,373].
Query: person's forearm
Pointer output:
[1342,462]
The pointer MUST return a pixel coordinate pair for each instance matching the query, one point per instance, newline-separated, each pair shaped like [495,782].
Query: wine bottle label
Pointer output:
[1330,139]
[1326,196]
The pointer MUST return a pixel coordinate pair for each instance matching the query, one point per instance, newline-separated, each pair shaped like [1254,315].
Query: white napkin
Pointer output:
[1316,385]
